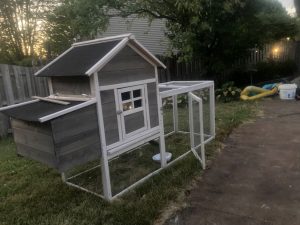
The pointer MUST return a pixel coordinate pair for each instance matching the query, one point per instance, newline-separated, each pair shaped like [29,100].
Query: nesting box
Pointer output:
[111,94]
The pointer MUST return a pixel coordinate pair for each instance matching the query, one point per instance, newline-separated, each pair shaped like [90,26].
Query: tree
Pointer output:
[21,22]
[74,20]
[218,32]
[297,6]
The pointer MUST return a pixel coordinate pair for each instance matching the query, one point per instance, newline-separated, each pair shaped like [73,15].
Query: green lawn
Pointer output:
[31,193]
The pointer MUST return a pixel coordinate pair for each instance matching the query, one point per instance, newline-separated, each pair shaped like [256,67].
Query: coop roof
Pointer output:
[42,111]
[88,57]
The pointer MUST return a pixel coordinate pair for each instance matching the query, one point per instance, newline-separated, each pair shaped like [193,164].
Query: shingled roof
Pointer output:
[88,57]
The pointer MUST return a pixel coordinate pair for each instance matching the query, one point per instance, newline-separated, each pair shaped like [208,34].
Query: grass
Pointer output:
[31,193]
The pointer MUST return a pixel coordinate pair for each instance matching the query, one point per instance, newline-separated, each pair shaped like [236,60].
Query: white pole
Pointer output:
[212,110]
[162,144]
[202,134]
[191,121]
[175,113]
[104,159]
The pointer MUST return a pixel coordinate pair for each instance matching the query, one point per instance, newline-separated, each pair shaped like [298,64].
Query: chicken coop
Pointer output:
[105,100]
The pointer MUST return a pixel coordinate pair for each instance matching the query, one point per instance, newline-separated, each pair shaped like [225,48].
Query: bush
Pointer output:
[270,70]
[261,72]
[228,92]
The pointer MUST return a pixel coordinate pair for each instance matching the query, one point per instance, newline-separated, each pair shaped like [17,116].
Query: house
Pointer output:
[150,34]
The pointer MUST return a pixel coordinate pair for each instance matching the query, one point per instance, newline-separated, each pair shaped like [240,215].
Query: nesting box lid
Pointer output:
[88,57]
[41,111]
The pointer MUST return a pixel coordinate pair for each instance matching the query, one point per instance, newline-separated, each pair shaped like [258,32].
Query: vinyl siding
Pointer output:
[151,35]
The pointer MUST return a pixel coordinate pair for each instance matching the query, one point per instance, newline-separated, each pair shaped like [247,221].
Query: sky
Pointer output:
[289,5]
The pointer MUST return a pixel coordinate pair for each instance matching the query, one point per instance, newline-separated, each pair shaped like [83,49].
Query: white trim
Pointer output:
[142,180]
[17,105]
[71,97]
[134,110]
[53,61]
[159,63]
[104,60]
[47,99]
[136,137]
[141,54]
[106,182]
[184,89]
[50,86]
[92,86]
[65,111]
[147,106]
[83,189]
[127,84]
[118,109]
[175,112]
[134,142]
[100,40]
[212,110]
[162,144]
[192,98]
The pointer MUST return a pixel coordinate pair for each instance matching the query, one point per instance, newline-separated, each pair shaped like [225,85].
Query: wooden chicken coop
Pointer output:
[104,101]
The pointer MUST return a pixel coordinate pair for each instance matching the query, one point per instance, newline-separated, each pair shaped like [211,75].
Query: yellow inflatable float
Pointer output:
[253,92]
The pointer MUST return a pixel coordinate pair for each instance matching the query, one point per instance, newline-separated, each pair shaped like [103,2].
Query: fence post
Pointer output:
[19,83]
[7,84]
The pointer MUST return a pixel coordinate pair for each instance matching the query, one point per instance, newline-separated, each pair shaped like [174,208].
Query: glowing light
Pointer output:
[288,38]
[276,50]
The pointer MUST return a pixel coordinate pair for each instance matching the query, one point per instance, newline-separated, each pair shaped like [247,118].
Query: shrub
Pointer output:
[228,92]
[272,69]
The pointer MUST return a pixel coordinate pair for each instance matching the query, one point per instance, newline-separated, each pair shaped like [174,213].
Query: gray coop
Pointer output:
[105,101]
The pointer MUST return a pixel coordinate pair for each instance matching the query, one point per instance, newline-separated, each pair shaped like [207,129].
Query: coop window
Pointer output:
[132,99]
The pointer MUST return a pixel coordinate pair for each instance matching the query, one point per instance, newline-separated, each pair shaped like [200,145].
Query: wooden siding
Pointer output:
[134,121]
[76,138]
[71,85]
[153,106]
[63,143]
[34,140]
[127,66]
[109,117]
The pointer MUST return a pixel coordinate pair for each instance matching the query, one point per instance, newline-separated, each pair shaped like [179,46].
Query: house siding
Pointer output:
[151,35]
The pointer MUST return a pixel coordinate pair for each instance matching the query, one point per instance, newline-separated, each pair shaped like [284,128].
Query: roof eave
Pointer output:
[53,61]
[102,62]
[148,53]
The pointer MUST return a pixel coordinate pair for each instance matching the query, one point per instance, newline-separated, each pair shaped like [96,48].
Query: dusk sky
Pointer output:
[289,5]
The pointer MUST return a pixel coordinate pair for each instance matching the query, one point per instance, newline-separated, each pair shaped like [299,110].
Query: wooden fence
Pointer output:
[18,84]
[279,51]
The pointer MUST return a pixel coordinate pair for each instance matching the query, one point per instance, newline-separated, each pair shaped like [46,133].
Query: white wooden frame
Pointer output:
[131,142]
[194,147]
[143,108]
[154,133]
[188,87]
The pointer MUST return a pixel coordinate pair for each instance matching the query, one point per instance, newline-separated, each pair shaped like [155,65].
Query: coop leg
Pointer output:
[106,178]
[175,113]
[162,145]
[63,177]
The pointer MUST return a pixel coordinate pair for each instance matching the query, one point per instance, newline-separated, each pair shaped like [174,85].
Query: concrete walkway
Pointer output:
[256,178]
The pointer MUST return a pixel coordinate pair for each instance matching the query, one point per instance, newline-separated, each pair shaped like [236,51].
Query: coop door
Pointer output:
[132,110]
[196,127]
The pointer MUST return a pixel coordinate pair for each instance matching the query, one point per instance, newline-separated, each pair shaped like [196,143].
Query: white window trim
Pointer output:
[143,108]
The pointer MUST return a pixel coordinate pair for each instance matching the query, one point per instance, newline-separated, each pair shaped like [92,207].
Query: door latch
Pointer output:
[119,112]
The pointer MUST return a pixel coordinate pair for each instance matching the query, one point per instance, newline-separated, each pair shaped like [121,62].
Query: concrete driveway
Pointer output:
[256,178]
